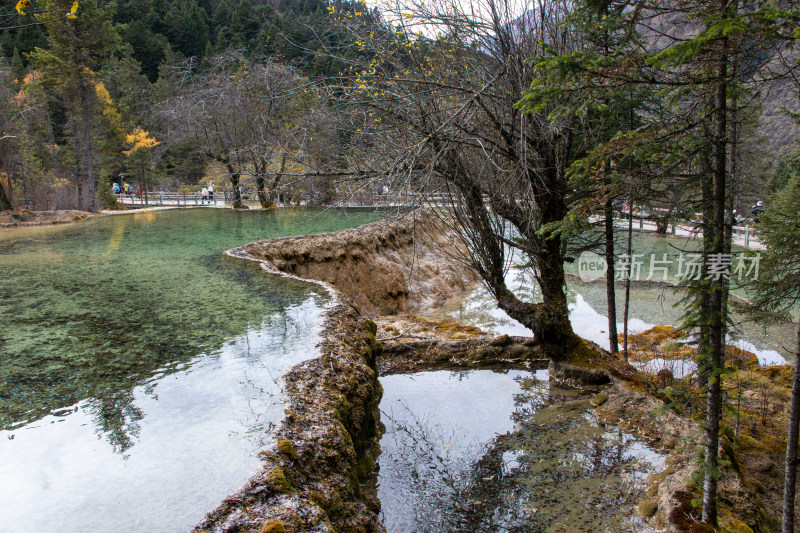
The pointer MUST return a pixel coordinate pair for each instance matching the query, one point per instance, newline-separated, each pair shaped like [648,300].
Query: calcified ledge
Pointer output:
[386,267]
[316,474]
[313,476]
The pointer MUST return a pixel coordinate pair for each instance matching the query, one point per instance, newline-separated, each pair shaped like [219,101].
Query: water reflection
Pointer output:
[651,305]
[94,308]
[482,451]
[140,368]
[176,444]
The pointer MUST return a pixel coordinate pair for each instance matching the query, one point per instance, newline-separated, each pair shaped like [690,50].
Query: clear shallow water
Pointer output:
[651,305]
[484,451]
[139,367]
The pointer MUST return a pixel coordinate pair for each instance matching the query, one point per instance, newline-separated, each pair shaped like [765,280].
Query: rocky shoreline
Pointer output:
[26,218]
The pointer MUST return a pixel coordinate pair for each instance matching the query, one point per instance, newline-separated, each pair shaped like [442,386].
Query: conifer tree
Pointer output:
[702,58]
[775,294]
[77,50]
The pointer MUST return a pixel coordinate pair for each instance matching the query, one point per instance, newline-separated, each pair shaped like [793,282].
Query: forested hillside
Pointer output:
[159,31]
[117,91]
[113,94]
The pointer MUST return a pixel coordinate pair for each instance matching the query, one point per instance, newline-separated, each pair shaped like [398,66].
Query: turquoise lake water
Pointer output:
[139,366]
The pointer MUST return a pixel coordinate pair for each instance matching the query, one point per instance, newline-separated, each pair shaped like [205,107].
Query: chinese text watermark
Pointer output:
[661,267]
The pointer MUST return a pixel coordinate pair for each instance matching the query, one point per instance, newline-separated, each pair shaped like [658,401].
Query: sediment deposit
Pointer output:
[386,267]
[315,475]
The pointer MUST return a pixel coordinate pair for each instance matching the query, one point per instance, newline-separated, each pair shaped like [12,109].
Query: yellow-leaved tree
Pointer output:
[142,145]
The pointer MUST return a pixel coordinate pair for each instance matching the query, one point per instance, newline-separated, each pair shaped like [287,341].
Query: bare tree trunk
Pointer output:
[628,279]
[611,298]
[237,194]
[233,176]
[143,170]
[87,146]
[790,474]
[79,177]
[716,320]
[260,168]
[278,175]
[5,199]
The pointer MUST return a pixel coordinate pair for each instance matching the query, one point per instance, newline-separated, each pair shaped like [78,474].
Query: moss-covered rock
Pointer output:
[286,447]
[272,526]
[333,420]
[278,482]
[599,399]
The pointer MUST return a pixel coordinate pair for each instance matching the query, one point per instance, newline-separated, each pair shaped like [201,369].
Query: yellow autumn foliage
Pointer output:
[109,111]
[140,140]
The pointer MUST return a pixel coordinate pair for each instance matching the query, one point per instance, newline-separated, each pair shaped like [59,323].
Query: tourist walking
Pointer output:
[211,193]
[204,195]
[757,210]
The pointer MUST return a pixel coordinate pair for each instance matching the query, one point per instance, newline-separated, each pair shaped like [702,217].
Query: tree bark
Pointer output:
[611,297]
[234,178]
[260,168]
[716,288]
[87,146]
[144,180]
[5,200]
[628,280]
[790,475]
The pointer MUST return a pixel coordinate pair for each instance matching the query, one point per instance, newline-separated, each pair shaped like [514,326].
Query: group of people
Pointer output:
[207,193]
[124,188]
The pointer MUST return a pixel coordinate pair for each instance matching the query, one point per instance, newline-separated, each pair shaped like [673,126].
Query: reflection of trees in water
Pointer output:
[117,418]
[557,467]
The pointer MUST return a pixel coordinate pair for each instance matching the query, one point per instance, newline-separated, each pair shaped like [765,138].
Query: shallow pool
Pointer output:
[651,305]
[140,367]
[481,451]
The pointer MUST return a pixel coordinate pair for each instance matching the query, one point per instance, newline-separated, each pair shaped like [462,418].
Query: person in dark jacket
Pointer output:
[757,210]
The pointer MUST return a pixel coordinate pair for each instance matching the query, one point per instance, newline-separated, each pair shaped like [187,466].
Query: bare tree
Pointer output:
[238,111]
[438,93]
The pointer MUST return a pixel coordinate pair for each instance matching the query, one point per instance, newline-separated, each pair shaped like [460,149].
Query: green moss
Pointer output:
[372,327]
[277,480]
[733,525]
[582,353]
[343,410]
[599,399]
[518,351]
[365,464]
[746,442]
[272,526]
[331,502]
[355,484]
[286,447]
[648,507]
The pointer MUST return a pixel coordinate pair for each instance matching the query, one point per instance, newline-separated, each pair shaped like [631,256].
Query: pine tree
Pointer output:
[78,49]
[703,58]
[17,66]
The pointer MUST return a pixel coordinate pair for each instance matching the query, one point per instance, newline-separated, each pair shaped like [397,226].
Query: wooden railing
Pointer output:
[162,198]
